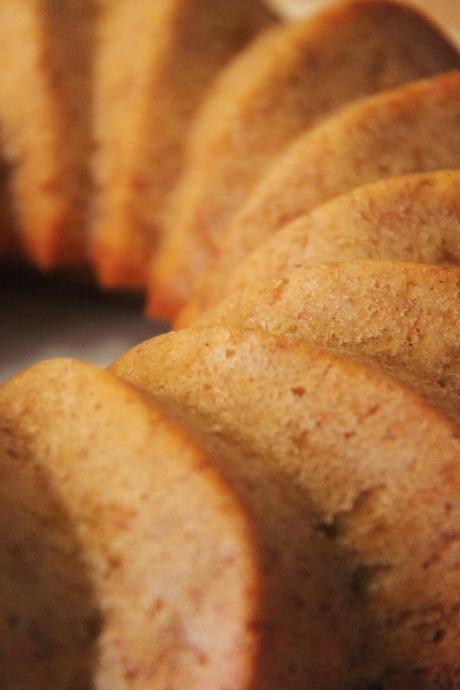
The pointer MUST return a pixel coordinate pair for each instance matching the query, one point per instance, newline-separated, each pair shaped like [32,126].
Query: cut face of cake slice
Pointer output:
[149,552]
[125,561]
[414,128]
[360,444]
[155,62]
[412,218]
[283,84]
[396,314]
[46,49]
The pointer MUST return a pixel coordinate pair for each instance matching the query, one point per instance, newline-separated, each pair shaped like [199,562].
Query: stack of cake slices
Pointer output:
[269,497]
[150,142]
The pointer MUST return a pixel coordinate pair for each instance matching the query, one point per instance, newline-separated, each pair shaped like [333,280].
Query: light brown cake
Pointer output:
[46,49]
[361,445]
[413,218]
[125,561]
[141,550]
[283,84]
[396,314]
[414,128]
[155,62]
[269,500]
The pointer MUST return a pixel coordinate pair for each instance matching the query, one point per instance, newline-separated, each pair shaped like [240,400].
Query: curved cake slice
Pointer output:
[140,551]
[414,218]
[397,314]
[280,86]
[361,445]
[415,128]
[155,62]
[46,51]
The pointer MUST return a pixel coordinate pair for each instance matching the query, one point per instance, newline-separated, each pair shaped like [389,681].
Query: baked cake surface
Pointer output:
[282,85]
[268,500]
[139,551]
[126,561]
[414,218]
[155,62]
[395,314]
[360,443]
[46,54]
[414,128]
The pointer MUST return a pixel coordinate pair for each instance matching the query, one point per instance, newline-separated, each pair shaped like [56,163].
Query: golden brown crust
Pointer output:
[282,85]
[146,96]
[414,218]
[361,445]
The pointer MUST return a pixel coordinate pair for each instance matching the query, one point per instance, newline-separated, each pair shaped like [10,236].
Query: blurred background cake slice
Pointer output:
[408,218]
[414,128]
[279,87]
[155,63]
[46,57]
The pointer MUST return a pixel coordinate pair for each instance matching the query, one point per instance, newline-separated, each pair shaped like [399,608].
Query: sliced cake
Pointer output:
[46,56]
[142,550]
[414,128]
[360,444]
[397,314]
[412,218]
[155,63]
[282,85]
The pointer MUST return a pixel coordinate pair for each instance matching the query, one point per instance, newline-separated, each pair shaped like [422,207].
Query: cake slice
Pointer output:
[46,50]
[126,561]
[139,549]
[281,85]
[415,128]
[155,62]
[361,444]
[413,218]
[396,314]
